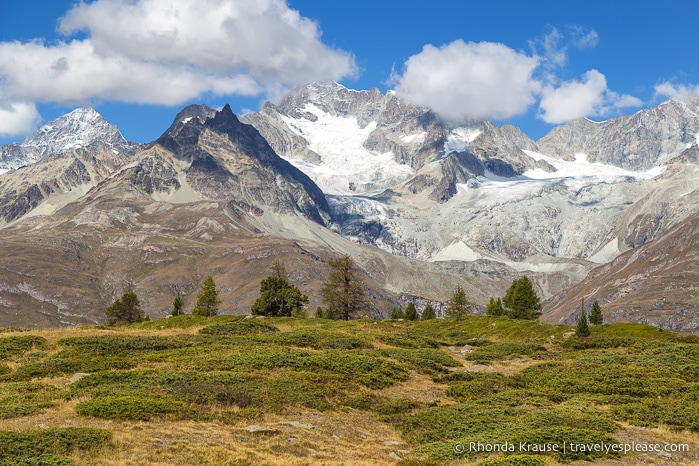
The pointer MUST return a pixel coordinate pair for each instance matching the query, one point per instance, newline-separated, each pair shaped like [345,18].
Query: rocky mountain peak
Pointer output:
[79,128]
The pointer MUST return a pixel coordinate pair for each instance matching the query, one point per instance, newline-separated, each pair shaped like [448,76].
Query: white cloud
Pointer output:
[587,97]
[672,91]
[462,81]
[170,51]
[18,118]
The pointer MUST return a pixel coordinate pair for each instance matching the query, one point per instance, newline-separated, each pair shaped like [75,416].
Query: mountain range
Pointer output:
[603,211]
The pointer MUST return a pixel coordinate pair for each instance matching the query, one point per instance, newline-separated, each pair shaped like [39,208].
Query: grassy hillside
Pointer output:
[231,391]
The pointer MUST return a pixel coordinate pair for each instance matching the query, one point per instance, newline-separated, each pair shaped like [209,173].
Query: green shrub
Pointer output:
[26,398]
[505,350]
[484,385]
[317,339]
[29,444]
[408,341]
[13,346]
[515,460]
[240,326]
[41,460]
[425,361]
[130,407]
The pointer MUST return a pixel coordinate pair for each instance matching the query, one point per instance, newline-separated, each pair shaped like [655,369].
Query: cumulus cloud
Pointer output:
[673,91]
[587,97]
[462,81]
[170,51]
[18,118]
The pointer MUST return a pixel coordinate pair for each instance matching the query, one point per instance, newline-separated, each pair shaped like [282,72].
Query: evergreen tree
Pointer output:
[411,312]
[319,313]
[207,299]
[177,305]
[596,317]
[521,300]
[278,297]
[428,313]
[582,329]
[125,310]
[494,308]
[330,314]
[397,313]
[343,291]
[458,306]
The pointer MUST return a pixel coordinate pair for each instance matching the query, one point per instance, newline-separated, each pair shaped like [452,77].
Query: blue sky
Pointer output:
[532,64]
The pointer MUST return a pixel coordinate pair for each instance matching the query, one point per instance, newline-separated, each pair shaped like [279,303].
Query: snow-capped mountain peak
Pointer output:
[79,128]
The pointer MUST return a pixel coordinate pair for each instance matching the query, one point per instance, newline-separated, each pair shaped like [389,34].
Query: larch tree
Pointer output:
[458,306]
[343,291]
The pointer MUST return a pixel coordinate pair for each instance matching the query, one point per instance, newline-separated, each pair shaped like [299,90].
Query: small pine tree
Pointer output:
[319,313]
[428,313]
[397,313]
[330,314]
[521,300]
[411,312]
[596,317]
[494,308]
[177,305]
[207,299]
[458,306]
[125,310]
[278,297]
[582,329]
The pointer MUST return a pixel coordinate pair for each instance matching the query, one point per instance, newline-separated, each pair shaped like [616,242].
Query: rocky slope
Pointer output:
[657,284]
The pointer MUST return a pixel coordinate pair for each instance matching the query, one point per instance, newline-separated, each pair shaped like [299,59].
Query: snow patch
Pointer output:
[346,167]
[412,138]
[458,251]
[460,138]
[186,120]
[607,253]
[490,189]
[3,171]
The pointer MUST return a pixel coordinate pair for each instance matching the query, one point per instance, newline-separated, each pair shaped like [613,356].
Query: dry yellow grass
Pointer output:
[297,438]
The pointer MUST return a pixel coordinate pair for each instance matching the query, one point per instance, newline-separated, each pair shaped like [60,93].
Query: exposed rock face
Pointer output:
[656,283]
[230,160]
[77,129]
[638,142]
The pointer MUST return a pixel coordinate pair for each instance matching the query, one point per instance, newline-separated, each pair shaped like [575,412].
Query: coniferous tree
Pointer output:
[330,314]
[428,313]
[278,297]
[582,329]
[125,310]
[494,308]
[319,313]
[458,306]
[411,312]
[343,291]
[177,305]
[397,313]
[596,317]
[521,300]
[207,299]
